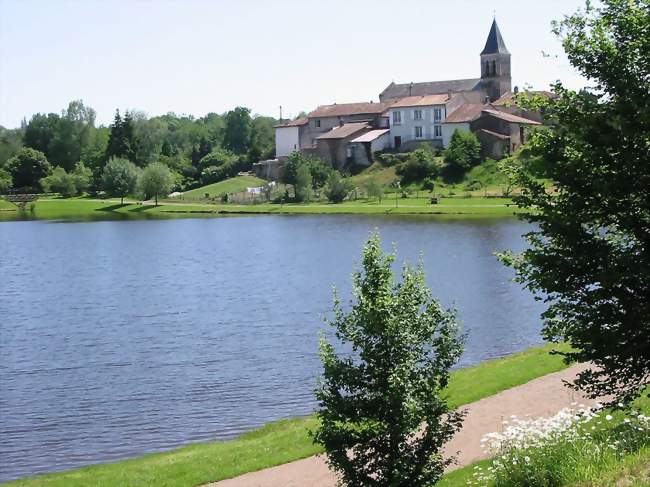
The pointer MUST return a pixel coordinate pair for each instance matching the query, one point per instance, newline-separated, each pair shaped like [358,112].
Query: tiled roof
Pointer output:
[495,134]
[292,123]
[371,135]
[345,130]
[343,109]
[393,90]
[494,43]
[421,101]
[466,113]
[509,117]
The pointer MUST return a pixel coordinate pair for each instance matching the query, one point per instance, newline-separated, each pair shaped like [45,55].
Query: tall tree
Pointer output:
[156,180]
[383,417]
[28,167]
[115,147]
[120,178]
[237,135]
[589,254]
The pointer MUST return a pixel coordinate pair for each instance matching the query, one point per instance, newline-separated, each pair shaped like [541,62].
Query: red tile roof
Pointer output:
[293,123]
[509,117]
[344,109]
[420,101]
[466,113]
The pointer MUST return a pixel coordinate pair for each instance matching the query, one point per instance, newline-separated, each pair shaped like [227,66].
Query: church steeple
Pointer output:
[495,64]
[494,43]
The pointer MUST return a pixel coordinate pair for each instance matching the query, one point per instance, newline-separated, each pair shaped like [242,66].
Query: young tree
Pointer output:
[156,180]
[374,189]
[337,188]
[303,186]
[420,164]
[383,415]
[120,178]
[589,253]
[83,177]
[464,151]
[28,167]
[59,182]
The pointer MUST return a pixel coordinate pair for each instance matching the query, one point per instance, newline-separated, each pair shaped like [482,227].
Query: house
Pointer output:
[409,114]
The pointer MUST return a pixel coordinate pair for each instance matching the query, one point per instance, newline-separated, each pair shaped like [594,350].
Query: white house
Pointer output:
[417,118]
[287,136]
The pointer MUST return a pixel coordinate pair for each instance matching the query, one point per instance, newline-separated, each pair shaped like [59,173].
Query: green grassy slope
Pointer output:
[282,441]
[232,185]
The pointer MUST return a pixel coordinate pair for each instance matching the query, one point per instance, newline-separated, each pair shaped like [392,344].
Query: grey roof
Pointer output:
[494,43]
[403,90]
[344,131]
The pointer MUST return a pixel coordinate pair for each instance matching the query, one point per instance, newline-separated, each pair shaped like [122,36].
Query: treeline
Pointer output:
[196,150]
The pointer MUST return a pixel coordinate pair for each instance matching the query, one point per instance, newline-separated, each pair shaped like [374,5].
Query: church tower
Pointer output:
[495,65]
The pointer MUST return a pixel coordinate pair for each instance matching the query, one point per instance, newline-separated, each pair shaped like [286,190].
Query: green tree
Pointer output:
[156,180]
[59,182]
[374,189]
[83,177]
[337,188]
[28,167]
[303,186]
[120,178]
[10,143]
[122,141]
[589,251]
[237,135]
[420,164]
[320,172]
[464,151]
[5,180]
[383,416]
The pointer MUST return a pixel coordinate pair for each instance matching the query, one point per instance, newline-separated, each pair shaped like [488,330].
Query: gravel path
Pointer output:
[543,396]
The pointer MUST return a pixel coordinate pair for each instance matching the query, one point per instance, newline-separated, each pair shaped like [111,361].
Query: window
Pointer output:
[317,123]
[397,118]
[437,130]
[437,114]
[417,114]
[494,68]
[418,132]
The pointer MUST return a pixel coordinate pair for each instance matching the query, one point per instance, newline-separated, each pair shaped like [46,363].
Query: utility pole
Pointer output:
[280,113]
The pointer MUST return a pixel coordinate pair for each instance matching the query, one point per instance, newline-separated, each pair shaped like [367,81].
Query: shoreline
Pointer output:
[283,441]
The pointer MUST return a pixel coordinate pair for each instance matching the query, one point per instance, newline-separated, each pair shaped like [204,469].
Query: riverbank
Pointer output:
[87,208]
[283,441]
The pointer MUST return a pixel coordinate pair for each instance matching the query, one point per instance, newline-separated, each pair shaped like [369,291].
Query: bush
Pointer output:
[464,151]
[374,189]
[68,184]
[383,417]
[319,170]
[303,184]
[337,188]
[428,184]
[420,164]
[6,181]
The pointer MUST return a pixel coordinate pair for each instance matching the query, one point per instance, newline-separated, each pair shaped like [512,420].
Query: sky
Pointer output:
[201,56]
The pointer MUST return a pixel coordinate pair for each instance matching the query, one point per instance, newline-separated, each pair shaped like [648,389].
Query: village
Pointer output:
[407,115]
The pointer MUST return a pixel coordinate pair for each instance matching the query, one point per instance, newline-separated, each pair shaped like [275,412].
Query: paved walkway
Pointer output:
[543,396]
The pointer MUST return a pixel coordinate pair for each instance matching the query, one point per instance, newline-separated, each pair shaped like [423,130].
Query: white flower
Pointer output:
[609,417]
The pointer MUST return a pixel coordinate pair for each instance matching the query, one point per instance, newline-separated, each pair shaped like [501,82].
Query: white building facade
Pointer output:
[416,119]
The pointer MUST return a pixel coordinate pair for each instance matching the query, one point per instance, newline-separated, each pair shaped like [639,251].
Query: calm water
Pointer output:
[124,337]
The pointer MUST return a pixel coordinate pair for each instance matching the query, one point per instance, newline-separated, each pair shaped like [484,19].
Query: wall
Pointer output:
[448,130]
[287,140]
[406,129]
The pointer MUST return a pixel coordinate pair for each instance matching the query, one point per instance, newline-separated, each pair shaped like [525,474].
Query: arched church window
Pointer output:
[487,68]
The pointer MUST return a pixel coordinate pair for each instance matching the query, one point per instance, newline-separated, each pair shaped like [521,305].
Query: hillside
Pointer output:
[232,185]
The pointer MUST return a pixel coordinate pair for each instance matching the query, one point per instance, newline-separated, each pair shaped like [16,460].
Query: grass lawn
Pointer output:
[232,185]
[87,208]
[282,441]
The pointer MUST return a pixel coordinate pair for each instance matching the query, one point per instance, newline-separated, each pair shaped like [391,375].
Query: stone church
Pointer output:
[409,114]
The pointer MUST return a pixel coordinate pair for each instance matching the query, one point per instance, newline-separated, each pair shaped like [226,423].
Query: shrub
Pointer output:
[303,184]
[383,418]
[374,189]
[6,181]
[464,151]
[428,184]
[68,184]
[420,164]
[28,167]
[337,188]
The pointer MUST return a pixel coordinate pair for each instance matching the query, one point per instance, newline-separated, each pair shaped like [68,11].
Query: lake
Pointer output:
[124,337]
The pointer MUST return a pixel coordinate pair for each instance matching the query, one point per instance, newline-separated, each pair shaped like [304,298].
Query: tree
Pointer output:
[589,254]
[156,180]
[374,189]
[383,417]
[59,182]
[337,188]
[5,180]
[122,141]
[464,151]
[28,167]
[237,135]
[83,177]
[120,178]
[303,186]
[420,164]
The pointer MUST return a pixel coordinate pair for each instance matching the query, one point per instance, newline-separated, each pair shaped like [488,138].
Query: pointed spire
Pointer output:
[494,43]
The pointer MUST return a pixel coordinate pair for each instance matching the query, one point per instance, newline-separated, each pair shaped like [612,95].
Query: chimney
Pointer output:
[411,88]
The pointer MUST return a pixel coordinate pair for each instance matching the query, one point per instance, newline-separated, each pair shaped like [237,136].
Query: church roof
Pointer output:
[421,101]
[403,90]
[346,109]
[494,43]
[466,113]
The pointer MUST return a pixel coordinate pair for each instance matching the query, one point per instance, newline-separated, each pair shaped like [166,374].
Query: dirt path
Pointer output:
[543,396]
